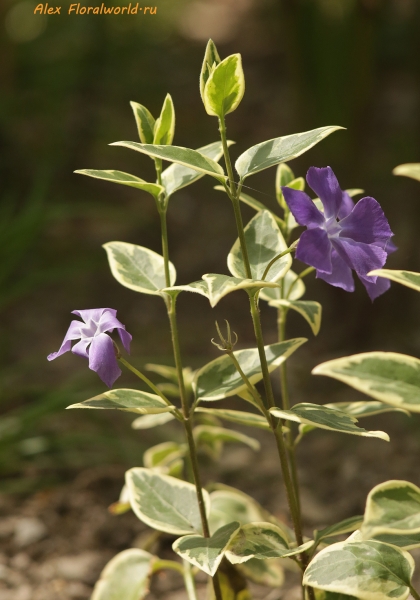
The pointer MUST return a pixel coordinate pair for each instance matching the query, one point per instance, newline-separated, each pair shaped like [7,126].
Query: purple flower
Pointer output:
[344,237]
[94,343]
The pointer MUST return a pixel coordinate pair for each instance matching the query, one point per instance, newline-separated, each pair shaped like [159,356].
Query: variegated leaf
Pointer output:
[220,379]
[210,62]
[126,576]
[149,421]
[225,87]
[407,541]
[264,241]
[124,179]
[386,376]
[165,503]
[311,311]
[392,507]
[291,288]
[177,154]
[236,416]
[128,400]
[177,176]
[263,572]
[210,434]
[325,418]
[410,279]
[368,570]
[138,268]
[408,170]
[145,122]
[261,541]
[206,553]
[162,455]
[164,128]
[365,408]
[220,286]
[346,526]
[281,149]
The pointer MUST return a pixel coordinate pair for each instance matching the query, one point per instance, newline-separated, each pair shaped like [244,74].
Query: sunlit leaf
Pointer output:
[128,400]
[220,379]
[164,128]
[408,278]
[325,418]
[263,572]
[145,122]
[124,179]
[368,570]
[281,149]
[264,241]
[310,311]
[408,170]
[210,434]
[206,553]
[346,526]
[225,87]
[149,421]
[177,154]
[126,576]
[236,416]
[176,176]
[210,62]
[138,268]
[392,507]
[220,286]
[163,502]
[293,289]
[386,376]
[261,541]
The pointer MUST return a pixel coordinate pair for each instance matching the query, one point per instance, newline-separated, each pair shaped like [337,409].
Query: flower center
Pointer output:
[332,227]
[89,330]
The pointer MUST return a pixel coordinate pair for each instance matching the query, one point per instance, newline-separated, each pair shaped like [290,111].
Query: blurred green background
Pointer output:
[66,85]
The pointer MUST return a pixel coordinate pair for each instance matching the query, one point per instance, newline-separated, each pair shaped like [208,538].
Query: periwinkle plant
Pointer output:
[225,533]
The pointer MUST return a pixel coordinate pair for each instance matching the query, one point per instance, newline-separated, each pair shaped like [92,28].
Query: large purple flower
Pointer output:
[94,342]
[344,237]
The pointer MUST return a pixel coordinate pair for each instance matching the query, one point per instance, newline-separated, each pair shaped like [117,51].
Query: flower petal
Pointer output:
[341,275]
[109,322]
[302,208]
[314,249]
[102,359]
[325,185]
[346,206]
[81,347]
[93,314]
[366,223]
[360,257]
[375,289]
[73,333]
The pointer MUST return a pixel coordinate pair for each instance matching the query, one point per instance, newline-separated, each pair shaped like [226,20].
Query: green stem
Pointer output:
[150,384]
[300,276]
[171,308]
[281,321]
[276,258]
[165,248]
[252,390]
[189,581]
[277,428]
[414,593]
[168,564]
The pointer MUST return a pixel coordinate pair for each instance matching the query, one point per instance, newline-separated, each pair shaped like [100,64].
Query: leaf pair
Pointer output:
[160,131]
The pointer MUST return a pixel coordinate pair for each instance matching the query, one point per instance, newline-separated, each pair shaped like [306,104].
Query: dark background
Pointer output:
[66,86]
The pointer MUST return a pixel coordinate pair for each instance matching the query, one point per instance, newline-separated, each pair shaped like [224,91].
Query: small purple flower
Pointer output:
[94,343]
[344,237]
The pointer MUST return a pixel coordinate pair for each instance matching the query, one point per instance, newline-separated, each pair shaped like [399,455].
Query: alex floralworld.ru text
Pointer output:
[77,9]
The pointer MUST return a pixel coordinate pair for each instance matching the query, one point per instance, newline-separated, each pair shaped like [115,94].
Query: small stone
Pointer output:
[28,531]
[21,561]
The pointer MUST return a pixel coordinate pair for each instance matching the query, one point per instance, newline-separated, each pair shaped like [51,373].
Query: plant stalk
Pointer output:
[281,323]
[171,307]
[189,581]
